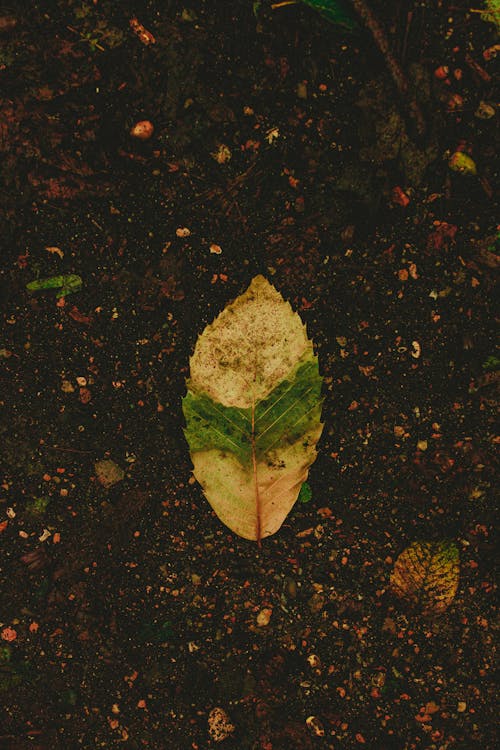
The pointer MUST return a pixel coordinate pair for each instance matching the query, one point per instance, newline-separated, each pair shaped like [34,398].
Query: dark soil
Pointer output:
[137,615]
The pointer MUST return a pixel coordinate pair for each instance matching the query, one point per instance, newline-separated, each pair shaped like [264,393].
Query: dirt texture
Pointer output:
[165,153]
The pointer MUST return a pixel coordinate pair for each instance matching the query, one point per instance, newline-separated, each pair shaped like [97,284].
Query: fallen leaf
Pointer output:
[108,472]
[426,574]
[253,410]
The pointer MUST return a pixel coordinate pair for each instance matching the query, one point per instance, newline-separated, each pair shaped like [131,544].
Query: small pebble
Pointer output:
[142,130]
[484,111]
[264,617]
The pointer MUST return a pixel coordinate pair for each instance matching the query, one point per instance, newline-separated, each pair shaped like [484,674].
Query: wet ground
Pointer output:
[280,146]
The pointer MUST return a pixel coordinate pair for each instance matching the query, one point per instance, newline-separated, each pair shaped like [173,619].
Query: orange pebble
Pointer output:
[442,72]
[142,130]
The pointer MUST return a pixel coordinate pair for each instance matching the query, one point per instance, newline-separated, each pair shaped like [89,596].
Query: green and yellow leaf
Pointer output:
[253,410]
[426,575]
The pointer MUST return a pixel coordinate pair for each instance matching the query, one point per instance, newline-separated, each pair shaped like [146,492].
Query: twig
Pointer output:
[485,11]
[409,18]
[399,78]
[65,450]
[481,72]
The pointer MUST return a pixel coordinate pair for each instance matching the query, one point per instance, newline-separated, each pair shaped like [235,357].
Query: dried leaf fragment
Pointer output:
[145,36]
[219,724]
[222,155]
[426,575]
[315,726]
[108,473]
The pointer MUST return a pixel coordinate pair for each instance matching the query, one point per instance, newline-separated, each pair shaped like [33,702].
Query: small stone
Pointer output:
[484,111]
[314,661]
[431,707]
[264,617]
[442,72]
[291,588]
[302,90]
[219,724]
[142,130]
